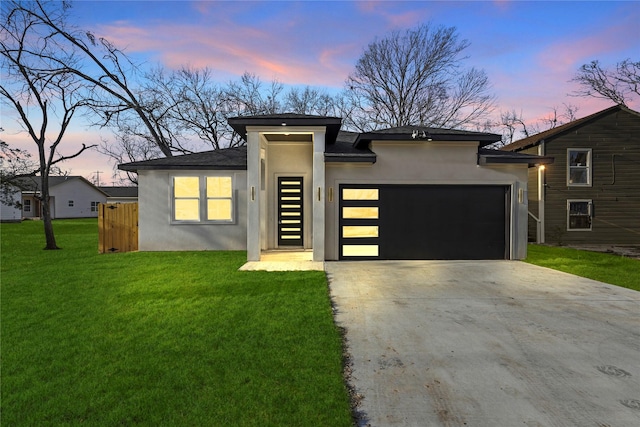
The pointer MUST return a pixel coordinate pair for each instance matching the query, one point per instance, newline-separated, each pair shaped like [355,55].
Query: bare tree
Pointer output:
[201,107]
[44,97]
[309,101]
[15,163]
[248,96]
[103,67]
[129,148]
[619,85]
[514,126]
[415,77]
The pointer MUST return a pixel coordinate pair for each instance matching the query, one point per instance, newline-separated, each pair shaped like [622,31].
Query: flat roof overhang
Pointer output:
[332,124]
[497,157]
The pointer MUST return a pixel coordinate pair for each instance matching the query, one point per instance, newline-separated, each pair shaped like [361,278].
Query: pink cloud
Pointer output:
[250,49]
[621,35]
[394,19]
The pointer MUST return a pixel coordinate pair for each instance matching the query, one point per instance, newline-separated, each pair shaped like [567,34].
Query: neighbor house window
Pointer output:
[94,206]
[578,167]
[199,199]
[27,205]
[70,203]
[579,215]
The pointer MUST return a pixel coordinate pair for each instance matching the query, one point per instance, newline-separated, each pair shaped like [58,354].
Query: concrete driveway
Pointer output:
[487,343]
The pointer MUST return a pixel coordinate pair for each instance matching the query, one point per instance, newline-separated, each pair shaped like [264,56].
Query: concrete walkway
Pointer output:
[488,343]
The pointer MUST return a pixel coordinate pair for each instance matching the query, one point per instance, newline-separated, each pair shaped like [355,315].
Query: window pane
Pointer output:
[360,250]
[578,176]
[364,213]
[219,209]
[360,194]
[187,209]
[219,186]
[578,158]
[579,216]
[579,208]
[579,222]
[186,186]
[360,231]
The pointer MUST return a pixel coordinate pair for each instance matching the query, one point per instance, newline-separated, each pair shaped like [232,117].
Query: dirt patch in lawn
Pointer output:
[630,251]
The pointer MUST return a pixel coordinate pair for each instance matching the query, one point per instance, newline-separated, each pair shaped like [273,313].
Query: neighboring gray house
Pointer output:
[302,183]
[591,194]
[70,197]
[121,194]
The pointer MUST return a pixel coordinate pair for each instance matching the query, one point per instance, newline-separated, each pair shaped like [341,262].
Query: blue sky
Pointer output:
[529,49]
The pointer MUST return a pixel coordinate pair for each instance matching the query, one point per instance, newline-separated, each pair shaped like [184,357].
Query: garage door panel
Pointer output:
[436,222]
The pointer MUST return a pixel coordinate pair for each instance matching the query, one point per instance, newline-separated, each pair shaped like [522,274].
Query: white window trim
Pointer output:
[589,167]
[202,200]
[590,202]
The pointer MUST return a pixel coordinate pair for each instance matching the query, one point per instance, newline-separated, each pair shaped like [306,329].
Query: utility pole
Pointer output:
[98,178]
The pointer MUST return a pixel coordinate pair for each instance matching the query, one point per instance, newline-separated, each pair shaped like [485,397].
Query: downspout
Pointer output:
[541,194]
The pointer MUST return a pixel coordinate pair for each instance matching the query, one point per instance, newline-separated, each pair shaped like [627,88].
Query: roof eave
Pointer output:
[364,139]
[489,159]
[136,168]
[350,158]
[333,124]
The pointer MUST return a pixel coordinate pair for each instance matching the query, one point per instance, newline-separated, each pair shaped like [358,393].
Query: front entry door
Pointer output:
[290,212]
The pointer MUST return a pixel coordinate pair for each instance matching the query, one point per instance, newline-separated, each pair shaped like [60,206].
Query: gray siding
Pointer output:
[157,231]
[615,190]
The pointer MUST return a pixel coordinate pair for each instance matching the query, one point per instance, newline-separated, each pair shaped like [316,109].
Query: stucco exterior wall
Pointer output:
[82,195]
[429,163]
[288,159]
[157,231]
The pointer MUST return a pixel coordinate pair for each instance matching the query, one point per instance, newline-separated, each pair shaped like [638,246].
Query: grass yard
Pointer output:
[608,268]
[173,339]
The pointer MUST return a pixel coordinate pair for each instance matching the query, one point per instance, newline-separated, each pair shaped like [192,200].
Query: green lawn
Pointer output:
[608,268]
[175,339]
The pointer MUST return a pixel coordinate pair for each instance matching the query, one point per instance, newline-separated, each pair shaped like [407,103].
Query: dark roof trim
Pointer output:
[332,124]
[224,159]
[129,167]
[496,157]
[350,158]
[427,135]
[536,139]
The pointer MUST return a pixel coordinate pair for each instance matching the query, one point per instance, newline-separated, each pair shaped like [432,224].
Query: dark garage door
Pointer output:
[424,222]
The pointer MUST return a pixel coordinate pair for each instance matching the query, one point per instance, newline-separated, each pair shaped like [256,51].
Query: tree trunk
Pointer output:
[46,215]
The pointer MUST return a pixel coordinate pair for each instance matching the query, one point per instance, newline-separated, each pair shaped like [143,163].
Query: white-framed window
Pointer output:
[203,199]
[94,206]
[26,206]
[579,167]
[579,215]
[70,204]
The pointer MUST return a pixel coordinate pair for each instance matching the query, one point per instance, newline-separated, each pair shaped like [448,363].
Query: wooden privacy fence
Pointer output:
[117,227]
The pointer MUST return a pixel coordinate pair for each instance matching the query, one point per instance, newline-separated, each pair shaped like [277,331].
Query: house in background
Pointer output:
[70,197]
[11,211]
[301,183]
[591,194]
[121,194]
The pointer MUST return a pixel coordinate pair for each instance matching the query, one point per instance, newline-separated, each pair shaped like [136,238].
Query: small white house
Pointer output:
[302,183]
[10,211]
[121,194]
[70,197]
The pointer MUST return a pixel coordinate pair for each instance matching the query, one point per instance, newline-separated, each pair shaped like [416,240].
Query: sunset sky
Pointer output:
[530,50]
